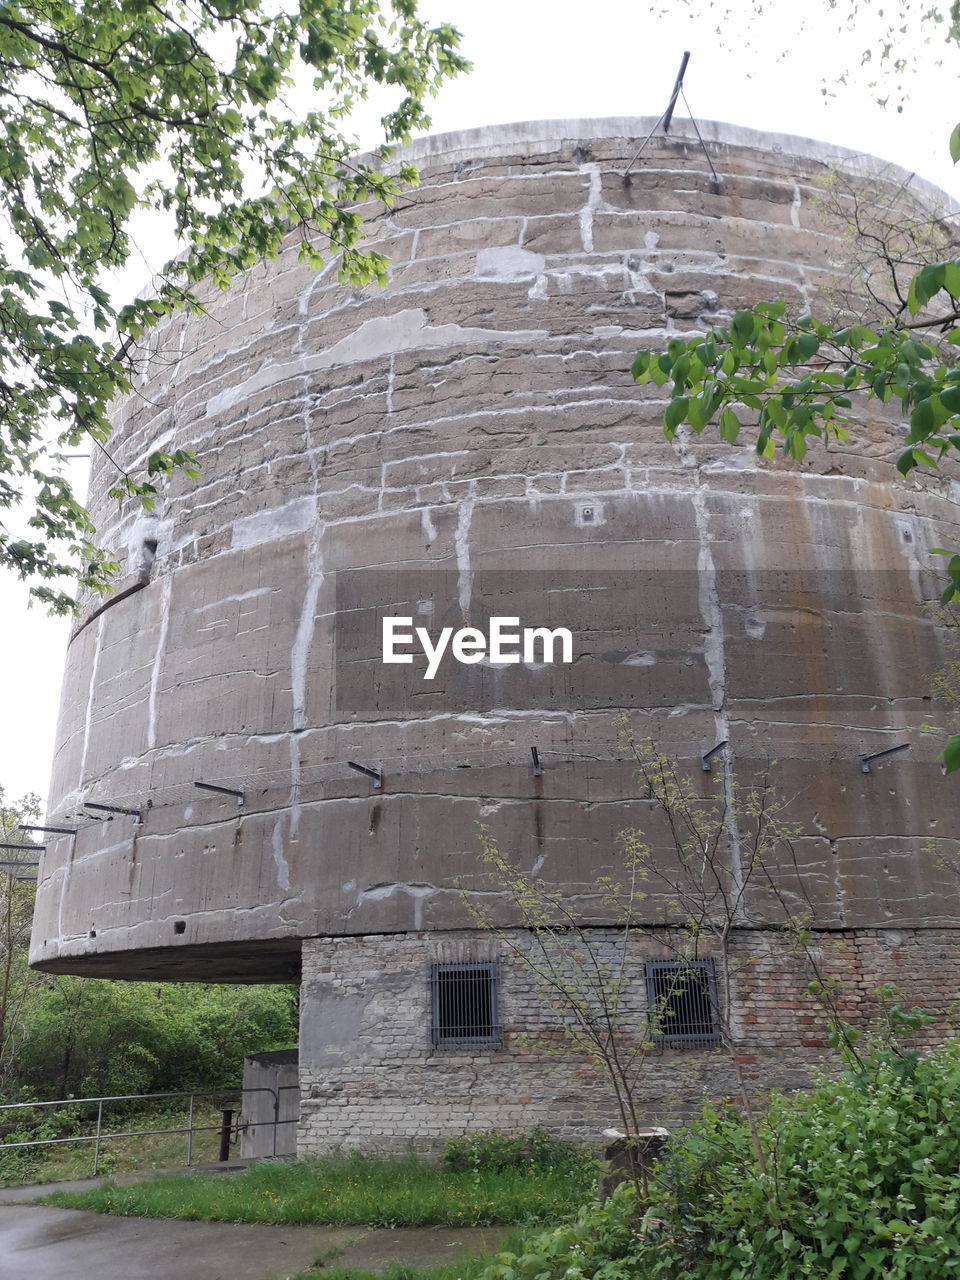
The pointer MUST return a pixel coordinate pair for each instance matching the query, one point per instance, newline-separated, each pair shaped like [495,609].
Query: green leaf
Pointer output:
[951,278]
[925,459]
[927,282]
[955,144]
[744,326]
[923,420]
[808,344]
[698,413]
[729,426]
[950,755]
[640,366]
[906,462]
[675,414]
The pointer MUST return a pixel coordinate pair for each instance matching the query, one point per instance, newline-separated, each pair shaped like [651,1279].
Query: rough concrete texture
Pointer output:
[471,435]
[371,1078]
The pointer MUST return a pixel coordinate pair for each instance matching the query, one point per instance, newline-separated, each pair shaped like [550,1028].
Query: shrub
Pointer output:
[863,1183]
[536,1149]
[602,1244]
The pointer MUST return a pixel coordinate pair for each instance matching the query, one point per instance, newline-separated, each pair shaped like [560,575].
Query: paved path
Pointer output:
[43,1243]
[40,1242]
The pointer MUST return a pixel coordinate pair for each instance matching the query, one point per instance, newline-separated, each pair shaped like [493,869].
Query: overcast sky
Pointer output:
[547,59]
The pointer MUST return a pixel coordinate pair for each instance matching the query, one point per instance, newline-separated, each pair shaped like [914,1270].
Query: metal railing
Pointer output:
[226,1127]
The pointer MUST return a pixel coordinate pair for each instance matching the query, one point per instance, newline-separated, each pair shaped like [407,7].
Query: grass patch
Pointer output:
[355,1189]
[463,1266]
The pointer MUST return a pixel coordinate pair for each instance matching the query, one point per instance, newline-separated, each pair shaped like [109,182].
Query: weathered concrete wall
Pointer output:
[270,1119]
[425,446]
[371,1078]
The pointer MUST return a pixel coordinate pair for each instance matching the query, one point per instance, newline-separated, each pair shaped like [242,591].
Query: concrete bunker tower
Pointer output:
[465,443]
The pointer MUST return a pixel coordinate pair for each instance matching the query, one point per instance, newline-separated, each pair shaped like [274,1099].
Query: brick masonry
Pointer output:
[371,1078]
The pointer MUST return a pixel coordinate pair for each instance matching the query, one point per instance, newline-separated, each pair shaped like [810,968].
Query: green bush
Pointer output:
[83,1037]
[536,1149]
[602,1244]
[863,1183]
[20,1164]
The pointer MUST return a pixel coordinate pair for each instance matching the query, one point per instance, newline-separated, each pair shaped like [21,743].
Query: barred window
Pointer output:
[464,1004]
[682,1002]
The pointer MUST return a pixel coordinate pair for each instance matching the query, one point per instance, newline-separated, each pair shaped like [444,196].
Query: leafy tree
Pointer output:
[787,380]
[17,880]
[89,1036]
[114,107]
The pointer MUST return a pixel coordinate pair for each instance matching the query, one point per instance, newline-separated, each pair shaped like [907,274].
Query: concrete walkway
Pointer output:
[41,1242]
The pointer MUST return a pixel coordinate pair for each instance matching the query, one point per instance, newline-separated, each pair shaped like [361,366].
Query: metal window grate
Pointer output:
[464,1004]
[682,1002]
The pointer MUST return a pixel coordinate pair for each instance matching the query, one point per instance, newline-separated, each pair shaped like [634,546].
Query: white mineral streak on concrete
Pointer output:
[279,522]
[303,638]
[63,874]
[796,206]
[283,871]
[640,660]
[77,794]
[508,263]
[714,653]
[138,460]
[426,522]
[373,340]
[754,624]
[418,892]
[592,205]
[235,599]
[306,293]
[165,592]
[295,787]
[462,546]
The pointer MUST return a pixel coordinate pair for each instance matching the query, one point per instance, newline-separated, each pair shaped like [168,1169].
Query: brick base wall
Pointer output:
[371,1077]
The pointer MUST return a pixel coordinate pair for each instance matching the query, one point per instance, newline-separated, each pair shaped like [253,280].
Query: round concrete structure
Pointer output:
[465,443]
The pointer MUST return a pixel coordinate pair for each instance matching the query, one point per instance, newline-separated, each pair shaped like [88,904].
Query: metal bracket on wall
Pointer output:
[224,791]
[878,755]
[537,766]
[374,775]
[113,808]
[666,118]
[705,759]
